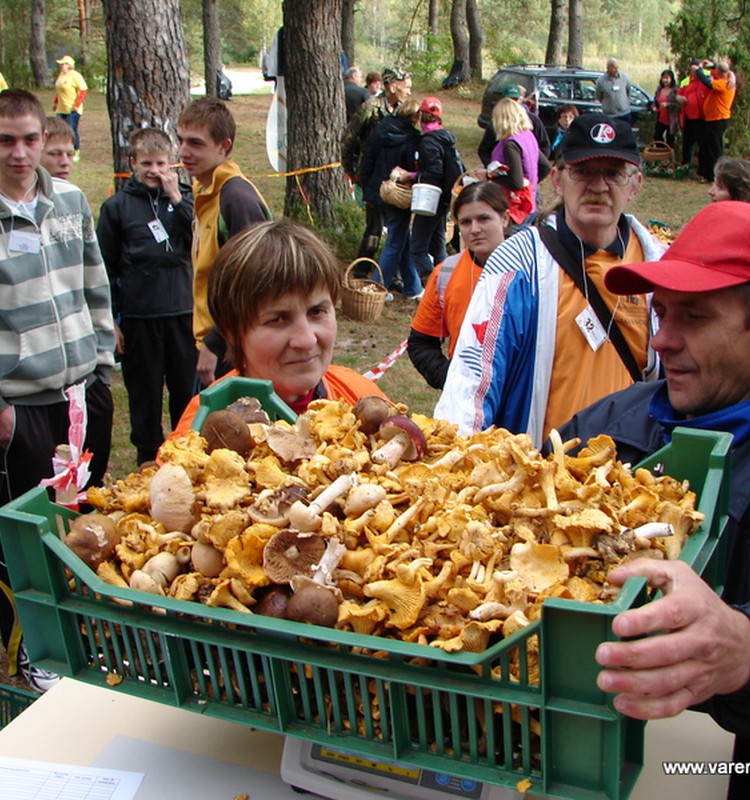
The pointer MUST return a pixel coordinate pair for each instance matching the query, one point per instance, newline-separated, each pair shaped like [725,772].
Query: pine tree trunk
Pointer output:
[315,106]
[460,37]
[212,62]
[575,34]
[476,39]
[147,85]
[38,45]
[557,23]
[433,17]
[347,30]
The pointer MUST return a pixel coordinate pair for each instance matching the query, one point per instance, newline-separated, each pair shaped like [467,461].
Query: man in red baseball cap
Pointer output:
[701,296]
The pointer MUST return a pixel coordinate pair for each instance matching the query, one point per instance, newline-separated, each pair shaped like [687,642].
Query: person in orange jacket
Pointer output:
[717,110]
[70,92]
[272,294]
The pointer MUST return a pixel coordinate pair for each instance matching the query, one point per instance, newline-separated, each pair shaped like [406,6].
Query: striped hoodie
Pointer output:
[56,324]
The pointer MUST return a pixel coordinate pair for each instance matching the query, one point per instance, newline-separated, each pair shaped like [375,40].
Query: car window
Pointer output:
[584,89]
[554,89]
[638,97]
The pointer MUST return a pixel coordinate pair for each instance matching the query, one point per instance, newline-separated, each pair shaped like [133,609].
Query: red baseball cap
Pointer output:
[432,105]
[711,252]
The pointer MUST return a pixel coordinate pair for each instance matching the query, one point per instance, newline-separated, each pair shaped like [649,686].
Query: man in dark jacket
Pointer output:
[439,164]
[701,295]
[393,144]
[145,233]
[396,89]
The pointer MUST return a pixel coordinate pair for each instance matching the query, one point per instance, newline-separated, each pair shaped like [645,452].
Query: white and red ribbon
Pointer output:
[376,373]
[70,464]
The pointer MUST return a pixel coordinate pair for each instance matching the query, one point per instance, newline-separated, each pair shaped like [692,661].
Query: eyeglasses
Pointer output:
[612,177]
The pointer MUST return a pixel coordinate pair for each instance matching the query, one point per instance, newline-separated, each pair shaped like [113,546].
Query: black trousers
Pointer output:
[692,132]
[368,247]
[39,429]
[711,147]
[157,351]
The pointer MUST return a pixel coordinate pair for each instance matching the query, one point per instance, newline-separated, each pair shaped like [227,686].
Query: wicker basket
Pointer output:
[396,194]
[657,151]
[361,298]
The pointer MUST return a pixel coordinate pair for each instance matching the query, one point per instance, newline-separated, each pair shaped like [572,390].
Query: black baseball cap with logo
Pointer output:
[599,136]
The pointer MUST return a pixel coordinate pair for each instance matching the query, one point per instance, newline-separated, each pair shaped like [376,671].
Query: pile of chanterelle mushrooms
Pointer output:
[376,521]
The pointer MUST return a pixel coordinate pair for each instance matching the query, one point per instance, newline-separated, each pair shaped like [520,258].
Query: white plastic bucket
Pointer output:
[425,199]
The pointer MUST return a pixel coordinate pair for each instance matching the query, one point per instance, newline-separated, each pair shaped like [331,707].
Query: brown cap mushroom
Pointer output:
[92,538]
[315,605]
[289,553]
[225,429]
[274,602]
[250,410]
[371,411]
[404,441]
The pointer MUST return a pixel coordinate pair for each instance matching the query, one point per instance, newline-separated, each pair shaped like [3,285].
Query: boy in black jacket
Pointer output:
[145,234]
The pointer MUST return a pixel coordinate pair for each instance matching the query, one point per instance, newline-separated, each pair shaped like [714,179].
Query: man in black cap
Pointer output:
[396,88]
[543,337]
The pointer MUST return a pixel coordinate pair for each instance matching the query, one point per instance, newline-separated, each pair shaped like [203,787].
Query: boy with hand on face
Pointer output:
[59,148]
[226,202]
[145,234]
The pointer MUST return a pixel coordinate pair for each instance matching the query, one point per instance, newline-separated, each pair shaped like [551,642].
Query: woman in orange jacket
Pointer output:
[272,294]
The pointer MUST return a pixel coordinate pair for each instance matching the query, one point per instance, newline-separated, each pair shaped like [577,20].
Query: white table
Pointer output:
[186,755]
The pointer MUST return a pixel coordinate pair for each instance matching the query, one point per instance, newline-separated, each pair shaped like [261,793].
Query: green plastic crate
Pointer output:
[461,713]
[224,393]
[12,702]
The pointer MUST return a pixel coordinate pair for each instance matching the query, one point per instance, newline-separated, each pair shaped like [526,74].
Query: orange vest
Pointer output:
[581,376]
[446,298]
[340,383]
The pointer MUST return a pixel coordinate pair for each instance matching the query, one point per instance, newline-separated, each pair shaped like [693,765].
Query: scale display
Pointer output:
[341,775]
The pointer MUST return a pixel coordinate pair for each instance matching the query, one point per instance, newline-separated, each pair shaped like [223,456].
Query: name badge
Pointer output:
[615,87]
[158,231]
[591,328]
[24,242]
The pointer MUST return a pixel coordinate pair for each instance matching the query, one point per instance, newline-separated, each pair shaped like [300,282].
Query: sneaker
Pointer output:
[388,297]
[416,297]
[40,680]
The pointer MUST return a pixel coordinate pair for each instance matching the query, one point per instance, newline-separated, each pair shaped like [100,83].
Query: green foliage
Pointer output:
[433,60]
[345,233]
[710,29]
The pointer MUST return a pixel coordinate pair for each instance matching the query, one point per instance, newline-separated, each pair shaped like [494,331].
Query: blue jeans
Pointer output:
[395,257]
[428,239]
[72,120]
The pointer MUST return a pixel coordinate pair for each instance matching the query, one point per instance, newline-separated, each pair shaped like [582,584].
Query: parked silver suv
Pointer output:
[553,87]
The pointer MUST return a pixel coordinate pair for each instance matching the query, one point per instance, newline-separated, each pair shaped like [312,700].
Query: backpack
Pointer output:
[454,168]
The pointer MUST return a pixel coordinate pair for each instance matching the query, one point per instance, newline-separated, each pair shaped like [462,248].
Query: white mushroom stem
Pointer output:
[390,453]
[653,530]
[516,482]
[402,521]
[323,570]
[573,553]
[308,517]
[487,611]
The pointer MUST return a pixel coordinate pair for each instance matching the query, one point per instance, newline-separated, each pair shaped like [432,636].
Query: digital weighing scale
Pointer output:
[340,775]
